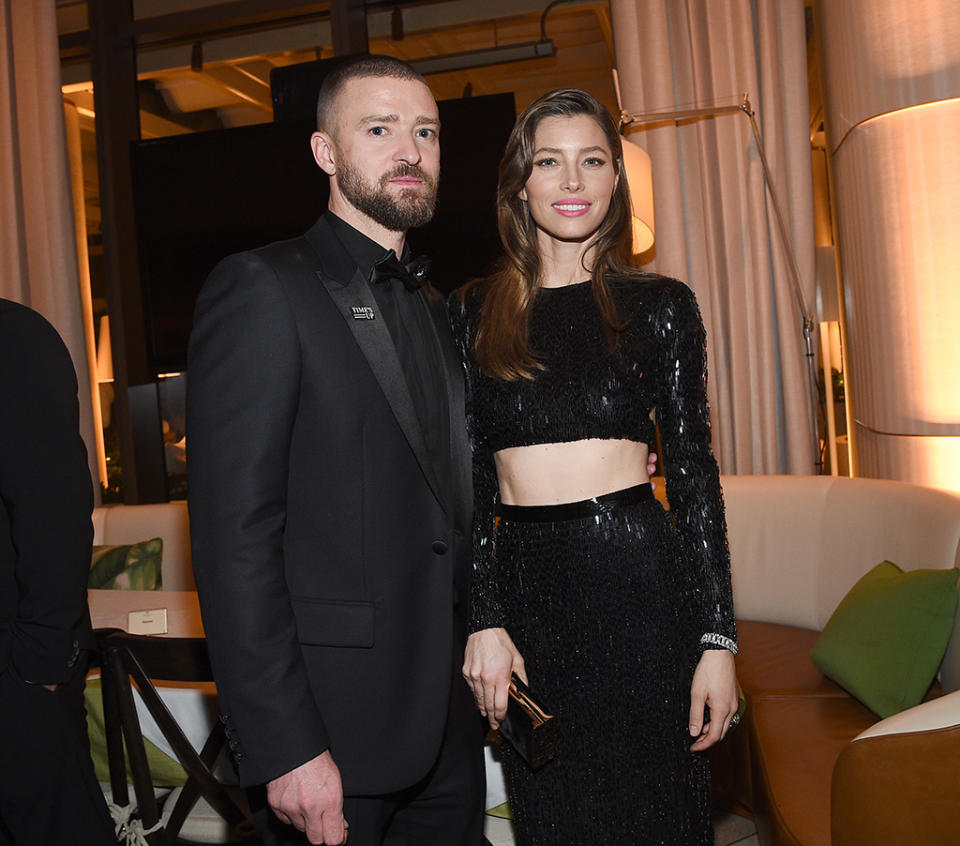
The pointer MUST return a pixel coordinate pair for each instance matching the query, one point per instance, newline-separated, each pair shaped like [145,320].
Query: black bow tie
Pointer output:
[412,273]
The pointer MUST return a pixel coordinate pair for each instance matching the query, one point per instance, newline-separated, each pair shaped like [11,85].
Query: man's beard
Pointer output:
[409,208]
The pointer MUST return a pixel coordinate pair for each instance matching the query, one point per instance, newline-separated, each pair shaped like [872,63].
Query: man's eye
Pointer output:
[378,130]
[425,133]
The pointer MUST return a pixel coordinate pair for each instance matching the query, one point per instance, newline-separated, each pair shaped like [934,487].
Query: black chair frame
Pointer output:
[141,658]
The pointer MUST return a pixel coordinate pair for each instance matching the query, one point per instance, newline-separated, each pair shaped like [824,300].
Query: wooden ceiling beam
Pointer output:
[219,20]
[245,87]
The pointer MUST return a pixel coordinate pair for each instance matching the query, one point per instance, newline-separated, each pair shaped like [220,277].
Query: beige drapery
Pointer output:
[715,227]
[38,247]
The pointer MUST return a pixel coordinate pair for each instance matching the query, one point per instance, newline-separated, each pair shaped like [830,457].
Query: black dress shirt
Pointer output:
[414,335]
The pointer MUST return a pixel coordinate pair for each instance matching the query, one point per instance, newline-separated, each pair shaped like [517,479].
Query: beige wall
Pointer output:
[892,90]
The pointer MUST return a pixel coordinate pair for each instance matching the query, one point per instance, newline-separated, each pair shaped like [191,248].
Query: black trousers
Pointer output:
[49,794]
[444,809]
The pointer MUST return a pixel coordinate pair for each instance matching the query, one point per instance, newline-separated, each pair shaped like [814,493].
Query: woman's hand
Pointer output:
[714,684]
[488,662]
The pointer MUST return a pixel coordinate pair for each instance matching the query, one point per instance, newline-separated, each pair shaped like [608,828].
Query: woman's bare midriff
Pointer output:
[549,474]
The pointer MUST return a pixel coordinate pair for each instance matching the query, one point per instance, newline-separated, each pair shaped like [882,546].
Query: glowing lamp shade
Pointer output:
[639,170]
[104,352]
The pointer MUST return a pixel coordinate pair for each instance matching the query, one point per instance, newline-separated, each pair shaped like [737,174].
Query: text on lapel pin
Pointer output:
[362,313]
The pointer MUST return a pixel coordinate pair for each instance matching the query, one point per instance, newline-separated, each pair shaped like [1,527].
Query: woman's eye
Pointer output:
[545,162]
[593,161]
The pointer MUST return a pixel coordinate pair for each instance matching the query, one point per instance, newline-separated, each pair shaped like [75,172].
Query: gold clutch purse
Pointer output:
[528,728]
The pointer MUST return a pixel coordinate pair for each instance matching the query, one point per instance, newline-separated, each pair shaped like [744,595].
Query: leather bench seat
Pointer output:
[797,546]
[795,742]
[774,660]
[777,766]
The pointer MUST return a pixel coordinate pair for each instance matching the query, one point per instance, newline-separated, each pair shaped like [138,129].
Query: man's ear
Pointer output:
[323,152]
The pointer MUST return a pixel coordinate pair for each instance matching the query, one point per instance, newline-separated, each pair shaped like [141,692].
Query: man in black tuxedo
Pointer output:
[330,497]
[48,791]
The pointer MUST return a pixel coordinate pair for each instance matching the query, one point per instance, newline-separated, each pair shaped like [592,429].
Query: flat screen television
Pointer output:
[201,197]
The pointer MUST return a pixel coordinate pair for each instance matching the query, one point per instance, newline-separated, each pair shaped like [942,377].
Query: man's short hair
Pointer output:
[360,67]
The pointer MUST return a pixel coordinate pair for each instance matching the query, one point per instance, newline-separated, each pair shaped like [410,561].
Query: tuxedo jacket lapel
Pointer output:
[349,291]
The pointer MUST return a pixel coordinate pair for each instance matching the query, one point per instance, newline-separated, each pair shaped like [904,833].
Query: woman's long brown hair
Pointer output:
[502,346]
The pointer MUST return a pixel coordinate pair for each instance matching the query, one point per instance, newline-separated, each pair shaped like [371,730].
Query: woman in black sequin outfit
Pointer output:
[619,614]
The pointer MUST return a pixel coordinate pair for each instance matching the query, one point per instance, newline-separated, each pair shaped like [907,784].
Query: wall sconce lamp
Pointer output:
[639,171]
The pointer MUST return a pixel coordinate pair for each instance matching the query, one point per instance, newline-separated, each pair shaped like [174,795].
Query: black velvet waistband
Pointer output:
[576,510]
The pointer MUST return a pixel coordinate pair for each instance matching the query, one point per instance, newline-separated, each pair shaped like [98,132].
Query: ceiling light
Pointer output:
[483,58]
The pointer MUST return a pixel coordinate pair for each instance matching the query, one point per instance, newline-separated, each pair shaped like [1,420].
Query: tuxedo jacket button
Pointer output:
[440,547]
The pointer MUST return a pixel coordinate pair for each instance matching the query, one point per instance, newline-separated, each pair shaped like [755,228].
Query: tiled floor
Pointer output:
[728,829]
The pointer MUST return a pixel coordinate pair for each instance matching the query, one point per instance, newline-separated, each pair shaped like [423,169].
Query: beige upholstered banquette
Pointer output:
[812,764]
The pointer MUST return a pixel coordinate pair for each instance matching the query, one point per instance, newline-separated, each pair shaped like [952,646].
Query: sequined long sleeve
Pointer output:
[692,476]
[486,592]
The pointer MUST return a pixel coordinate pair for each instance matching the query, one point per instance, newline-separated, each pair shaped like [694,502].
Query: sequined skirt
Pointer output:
[600,617]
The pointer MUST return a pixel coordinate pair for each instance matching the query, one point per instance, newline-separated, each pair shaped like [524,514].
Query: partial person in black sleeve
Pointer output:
[49,795]
[618,614]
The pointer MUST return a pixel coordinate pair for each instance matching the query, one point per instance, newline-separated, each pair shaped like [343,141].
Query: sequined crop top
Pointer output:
[583,393]
[586,391]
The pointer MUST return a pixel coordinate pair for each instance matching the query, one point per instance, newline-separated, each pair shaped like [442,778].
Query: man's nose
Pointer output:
[407,151]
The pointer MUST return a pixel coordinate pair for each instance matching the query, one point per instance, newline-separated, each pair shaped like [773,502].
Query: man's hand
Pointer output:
[310,798]
[714,684]
[488,662]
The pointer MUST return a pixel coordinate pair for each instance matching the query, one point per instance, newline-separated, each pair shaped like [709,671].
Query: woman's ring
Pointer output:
[734,720]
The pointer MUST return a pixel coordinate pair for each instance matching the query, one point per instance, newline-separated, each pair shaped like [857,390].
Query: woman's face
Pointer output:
[573,178]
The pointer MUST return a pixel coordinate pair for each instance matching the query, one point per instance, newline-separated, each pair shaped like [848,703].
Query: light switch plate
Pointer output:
[147,622]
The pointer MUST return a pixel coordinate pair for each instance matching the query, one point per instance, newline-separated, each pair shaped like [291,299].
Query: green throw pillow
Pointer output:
[164,771]
[887,637]
[132,566]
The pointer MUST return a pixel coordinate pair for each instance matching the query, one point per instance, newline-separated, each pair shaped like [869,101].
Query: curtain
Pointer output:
[715,225]
[38,247]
